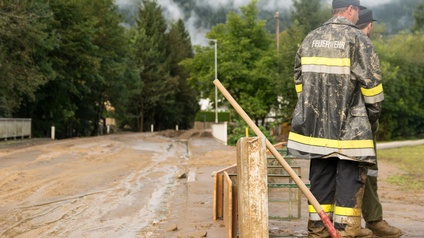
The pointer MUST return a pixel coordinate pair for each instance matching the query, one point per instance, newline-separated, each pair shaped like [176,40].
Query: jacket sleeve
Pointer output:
[373,111]
[298,73]
[366,69]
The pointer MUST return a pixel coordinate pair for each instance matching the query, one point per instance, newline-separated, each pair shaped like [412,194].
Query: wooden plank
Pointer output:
[220,196]
[232,168]
[215,196]
[252,190]
[218,191]
[235,212]
[228,205]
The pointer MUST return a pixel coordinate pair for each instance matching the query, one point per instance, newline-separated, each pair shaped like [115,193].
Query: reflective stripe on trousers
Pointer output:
[342,214]
[327,208]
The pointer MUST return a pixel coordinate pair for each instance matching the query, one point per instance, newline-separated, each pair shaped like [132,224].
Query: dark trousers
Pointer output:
[338,182]
[372,209]
[371,205]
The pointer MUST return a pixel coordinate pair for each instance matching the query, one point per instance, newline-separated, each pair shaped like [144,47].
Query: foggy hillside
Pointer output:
[200,15]
[397,15]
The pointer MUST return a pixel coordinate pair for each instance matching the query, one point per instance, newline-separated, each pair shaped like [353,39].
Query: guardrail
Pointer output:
[12,128]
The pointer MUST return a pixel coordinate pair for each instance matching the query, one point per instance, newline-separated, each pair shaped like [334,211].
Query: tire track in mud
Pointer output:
[101,190]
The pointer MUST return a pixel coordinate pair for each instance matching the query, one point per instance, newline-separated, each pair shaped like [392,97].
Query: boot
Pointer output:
[317,229]
[365,233]
[383,229]
[348,227]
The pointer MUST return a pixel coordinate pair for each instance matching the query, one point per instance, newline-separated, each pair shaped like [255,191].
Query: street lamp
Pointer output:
[216,77]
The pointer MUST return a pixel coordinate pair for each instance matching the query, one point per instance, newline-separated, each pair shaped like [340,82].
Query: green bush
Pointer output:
[237,130]
[209,116]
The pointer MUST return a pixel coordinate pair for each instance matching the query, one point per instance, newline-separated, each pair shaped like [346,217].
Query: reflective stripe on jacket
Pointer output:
[338,82]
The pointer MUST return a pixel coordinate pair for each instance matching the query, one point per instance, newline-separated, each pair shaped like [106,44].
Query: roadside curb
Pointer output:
[395,144]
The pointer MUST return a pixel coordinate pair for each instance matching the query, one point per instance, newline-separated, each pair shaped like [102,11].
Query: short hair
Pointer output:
[339,10]
[363,25]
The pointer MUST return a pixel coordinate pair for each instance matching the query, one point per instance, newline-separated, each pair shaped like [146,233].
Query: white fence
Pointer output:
[15,128]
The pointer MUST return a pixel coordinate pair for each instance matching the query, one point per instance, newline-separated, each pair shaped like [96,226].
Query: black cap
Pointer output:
[347,3]
[365,16]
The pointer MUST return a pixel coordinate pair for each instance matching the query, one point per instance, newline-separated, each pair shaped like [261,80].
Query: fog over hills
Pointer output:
[200,15]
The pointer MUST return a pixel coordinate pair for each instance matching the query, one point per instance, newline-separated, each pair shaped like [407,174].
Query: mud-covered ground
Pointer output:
[142,185]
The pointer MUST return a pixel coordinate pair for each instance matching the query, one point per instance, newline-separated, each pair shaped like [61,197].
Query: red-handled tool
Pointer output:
[313,201]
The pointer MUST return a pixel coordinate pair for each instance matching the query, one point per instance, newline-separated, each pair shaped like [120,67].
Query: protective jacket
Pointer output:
[338,82]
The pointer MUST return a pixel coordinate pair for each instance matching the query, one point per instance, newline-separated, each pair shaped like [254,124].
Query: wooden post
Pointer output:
[252,188]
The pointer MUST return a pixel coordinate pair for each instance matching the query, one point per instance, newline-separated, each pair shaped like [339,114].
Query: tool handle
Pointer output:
[313,201]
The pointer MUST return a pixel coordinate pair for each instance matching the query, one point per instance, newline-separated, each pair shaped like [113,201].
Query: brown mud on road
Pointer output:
[141,185]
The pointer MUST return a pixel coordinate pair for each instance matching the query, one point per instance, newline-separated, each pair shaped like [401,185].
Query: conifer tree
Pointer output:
[152,59]
[186,99]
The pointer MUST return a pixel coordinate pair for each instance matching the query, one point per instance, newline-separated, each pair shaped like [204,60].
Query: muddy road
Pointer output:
[140,185]
[110,186]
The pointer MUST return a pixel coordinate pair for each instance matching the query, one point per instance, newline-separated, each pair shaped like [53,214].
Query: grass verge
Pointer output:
[409,159]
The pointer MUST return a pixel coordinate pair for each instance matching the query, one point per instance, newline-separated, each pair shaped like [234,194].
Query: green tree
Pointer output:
[116,75]
[290,40]
[61,101]
[91,68]
[186,105]
[152,59]
[402,69]
[419,18]
[378,30]
[24,44]
[247,62]
[306,16]
[309,14]
[397,15]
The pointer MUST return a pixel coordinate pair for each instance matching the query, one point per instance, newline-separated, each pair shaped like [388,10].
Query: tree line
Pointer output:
[72,64]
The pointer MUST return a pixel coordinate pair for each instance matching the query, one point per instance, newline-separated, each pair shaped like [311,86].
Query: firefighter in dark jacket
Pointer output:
[372,210]
[338,82]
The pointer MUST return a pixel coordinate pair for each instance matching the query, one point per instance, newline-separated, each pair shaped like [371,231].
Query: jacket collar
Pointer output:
[340,21]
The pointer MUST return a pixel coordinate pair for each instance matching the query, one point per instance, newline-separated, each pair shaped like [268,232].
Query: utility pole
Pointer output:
[216,77]
[277,30]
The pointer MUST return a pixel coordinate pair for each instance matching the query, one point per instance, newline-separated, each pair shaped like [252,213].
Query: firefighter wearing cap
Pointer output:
[338,82]
[372,211]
